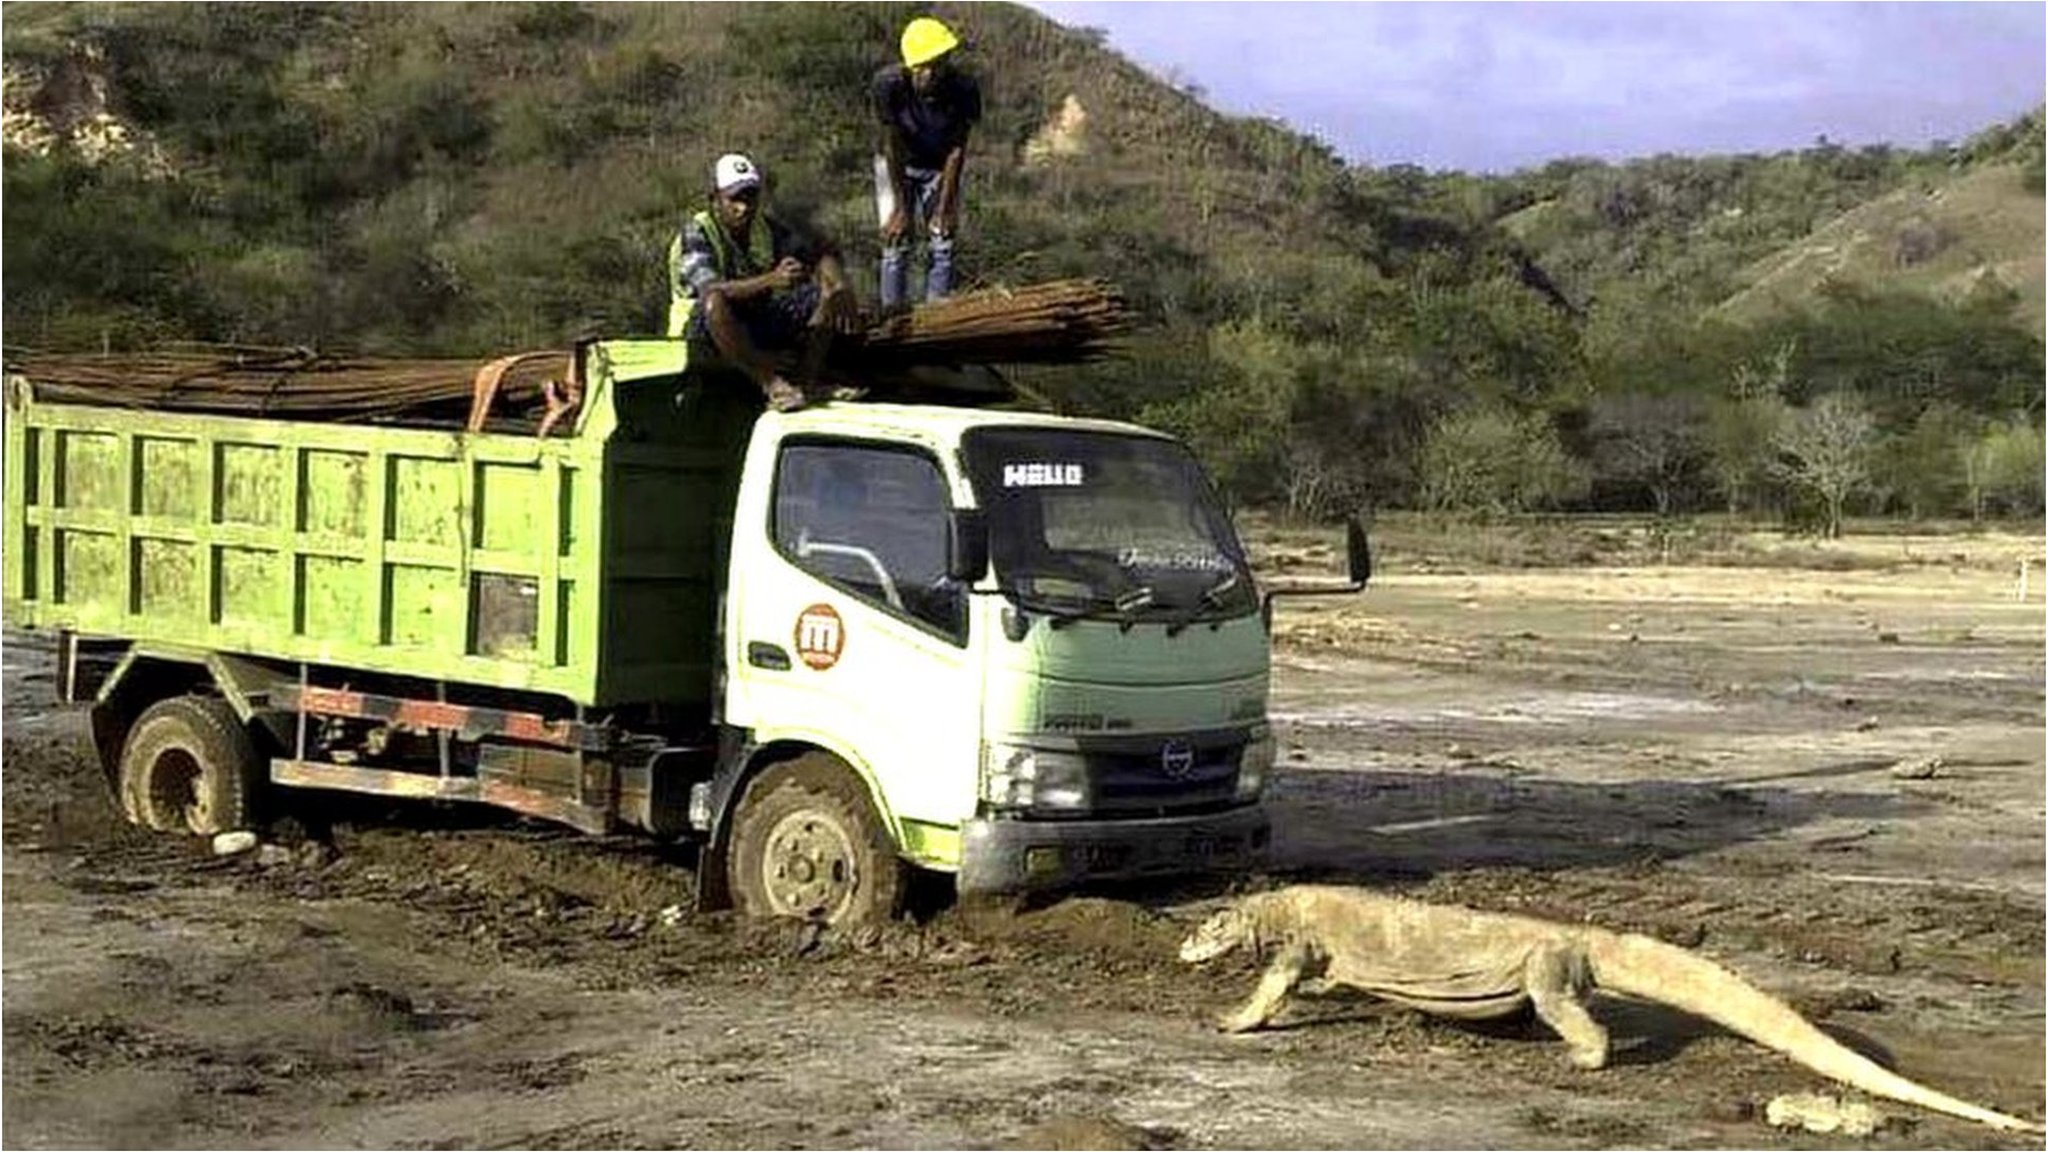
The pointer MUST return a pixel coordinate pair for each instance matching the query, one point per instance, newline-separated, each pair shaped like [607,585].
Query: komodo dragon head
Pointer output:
[1228,929]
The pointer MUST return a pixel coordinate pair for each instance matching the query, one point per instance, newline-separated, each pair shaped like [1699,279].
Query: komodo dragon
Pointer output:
[1472,965]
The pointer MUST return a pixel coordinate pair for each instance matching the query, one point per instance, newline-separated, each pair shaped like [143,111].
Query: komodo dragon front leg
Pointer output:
[1289,966]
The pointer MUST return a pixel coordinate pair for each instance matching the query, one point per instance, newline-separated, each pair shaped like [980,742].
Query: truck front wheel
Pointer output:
[807,843]
[188,766]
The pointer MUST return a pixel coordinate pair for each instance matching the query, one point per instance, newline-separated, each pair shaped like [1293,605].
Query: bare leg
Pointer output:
[730,337]
[1556,996]
[829,320]
[817,344]
[1280,978]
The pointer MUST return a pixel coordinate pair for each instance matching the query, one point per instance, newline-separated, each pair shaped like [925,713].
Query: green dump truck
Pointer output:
[1021,649]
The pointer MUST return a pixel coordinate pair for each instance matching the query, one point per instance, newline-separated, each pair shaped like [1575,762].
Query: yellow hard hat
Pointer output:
[925,40]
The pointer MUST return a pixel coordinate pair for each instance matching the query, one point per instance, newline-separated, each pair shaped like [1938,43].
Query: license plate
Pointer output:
[1208,847]
[1103,857]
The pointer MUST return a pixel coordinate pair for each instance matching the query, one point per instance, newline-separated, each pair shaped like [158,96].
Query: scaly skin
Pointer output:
[1458,962]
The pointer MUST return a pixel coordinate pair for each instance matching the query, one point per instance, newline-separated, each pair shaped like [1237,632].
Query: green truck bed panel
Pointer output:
[583,566]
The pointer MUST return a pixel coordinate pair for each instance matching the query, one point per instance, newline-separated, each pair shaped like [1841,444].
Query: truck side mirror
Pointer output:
[1357,551]
[966,544]
[1357,557]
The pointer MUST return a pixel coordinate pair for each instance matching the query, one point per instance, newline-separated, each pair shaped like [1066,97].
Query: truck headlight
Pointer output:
[1009,774]
[1020,776]
[1256,763]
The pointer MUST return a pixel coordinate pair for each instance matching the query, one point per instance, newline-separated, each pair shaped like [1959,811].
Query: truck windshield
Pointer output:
[1107,525]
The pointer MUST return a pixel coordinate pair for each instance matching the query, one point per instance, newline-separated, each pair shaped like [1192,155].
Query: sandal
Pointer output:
[784,396]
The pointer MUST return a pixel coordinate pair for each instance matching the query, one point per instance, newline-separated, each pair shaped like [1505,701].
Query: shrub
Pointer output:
[1494,460]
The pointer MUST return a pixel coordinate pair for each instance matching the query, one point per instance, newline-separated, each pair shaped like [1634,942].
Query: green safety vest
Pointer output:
[758,257]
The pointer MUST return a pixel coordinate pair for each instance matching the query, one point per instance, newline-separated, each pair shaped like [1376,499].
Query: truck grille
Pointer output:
[1162,778]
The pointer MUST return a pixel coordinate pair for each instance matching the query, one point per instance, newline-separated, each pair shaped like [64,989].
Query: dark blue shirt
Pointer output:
[929,127]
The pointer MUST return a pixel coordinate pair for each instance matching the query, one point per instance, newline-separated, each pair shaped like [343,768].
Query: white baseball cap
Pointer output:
[735,172]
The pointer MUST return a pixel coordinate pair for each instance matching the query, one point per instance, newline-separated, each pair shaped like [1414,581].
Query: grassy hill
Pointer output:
[1965,235]
[1737,236]
[469,162]
[471,178]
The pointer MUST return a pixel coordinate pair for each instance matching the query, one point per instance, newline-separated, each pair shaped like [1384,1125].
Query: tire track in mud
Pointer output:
[513,893]
[540,899]
[410,900]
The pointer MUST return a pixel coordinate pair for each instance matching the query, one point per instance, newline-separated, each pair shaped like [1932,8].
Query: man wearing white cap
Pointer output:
[740,278]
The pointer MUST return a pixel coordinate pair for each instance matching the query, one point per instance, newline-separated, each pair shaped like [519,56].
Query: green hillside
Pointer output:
[467,179]
[1747,236]
[463,162]
[1969,235]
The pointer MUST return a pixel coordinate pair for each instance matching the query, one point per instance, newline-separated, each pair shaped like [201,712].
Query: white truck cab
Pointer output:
[1034,639]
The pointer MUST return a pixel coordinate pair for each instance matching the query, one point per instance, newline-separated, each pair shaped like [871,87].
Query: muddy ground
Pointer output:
[1824,769]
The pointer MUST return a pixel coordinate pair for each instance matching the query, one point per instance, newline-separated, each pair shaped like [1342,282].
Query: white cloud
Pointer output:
[1502,85]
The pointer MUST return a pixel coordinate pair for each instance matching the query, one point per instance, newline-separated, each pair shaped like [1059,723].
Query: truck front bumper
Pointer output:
[1021,855]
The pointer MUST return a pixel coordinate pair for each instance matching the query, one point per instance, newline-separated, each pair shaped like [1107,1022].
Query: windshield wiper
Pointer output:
[1131,603]
[1126,607]
[1060,614]
[1211,597]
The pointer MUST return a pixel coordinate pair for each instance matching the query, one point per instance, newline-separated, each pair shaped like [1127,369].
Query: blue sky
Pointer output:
[1494,87]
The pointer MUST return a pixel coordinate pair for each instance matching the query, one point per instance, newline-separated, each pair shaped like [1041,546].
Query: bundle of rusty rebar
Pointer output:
[1063,321]
[282,382]
[916,354]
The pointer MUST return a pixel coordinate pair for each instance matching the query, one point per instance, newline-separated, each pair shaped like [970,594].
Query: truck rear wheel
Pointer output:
[189,766]
[807,843]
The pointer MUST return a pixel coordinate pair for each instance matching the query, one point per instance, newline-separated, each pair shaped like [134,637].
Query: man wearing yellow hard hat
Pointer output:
[927,105]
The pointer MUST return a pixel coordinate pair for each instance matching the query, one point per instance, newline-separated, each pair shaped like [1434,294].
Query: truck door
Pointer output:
[845,631]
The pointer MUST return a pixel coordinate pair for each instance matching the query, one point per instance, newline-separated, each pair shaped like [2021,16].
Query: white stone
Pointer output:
[1922,768]
[233,843]
[1816,1112]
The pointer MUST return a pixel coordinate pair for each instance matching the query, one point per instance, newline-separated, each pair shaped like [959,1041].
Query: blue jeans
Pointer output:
[924,204]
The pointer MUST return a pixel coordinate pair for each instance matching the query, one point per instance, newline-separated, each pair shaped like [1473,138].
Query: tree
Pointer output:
[1238,424]
[1493,459]
[1348,438]
[1903,351]
[1742,424]
[1654,442]
[1923,469]
[1825,448]
[2004,469]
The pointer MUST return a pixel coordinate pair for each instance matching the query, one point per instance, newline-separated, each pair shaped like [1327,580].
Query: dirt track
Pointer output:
[1706,754]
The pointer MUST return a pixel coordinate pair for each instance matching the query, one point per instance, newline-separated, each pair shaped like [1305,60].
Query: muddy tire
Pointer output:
[188,766]
[807,843]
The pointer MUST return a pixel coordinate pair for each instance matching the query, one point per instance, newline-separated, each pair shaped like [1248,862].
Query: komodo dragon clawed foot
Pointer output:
[1286,972]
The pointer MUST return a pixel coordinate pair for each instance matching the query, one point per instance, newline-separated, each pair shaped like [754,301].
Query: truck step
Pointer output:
[414,785]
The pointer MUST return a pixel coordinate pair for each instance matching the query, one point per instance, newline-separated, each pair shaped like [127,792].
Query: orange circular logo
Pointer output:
[820,636]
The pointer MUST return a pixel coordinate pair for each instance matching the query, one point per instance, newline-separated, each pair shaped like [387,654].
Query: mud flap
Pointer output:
[713,815]
[713,893]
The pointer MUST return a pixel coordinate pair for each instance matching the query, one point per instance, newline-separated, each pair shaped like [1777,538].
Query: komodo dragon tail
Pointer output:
[1653,970]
